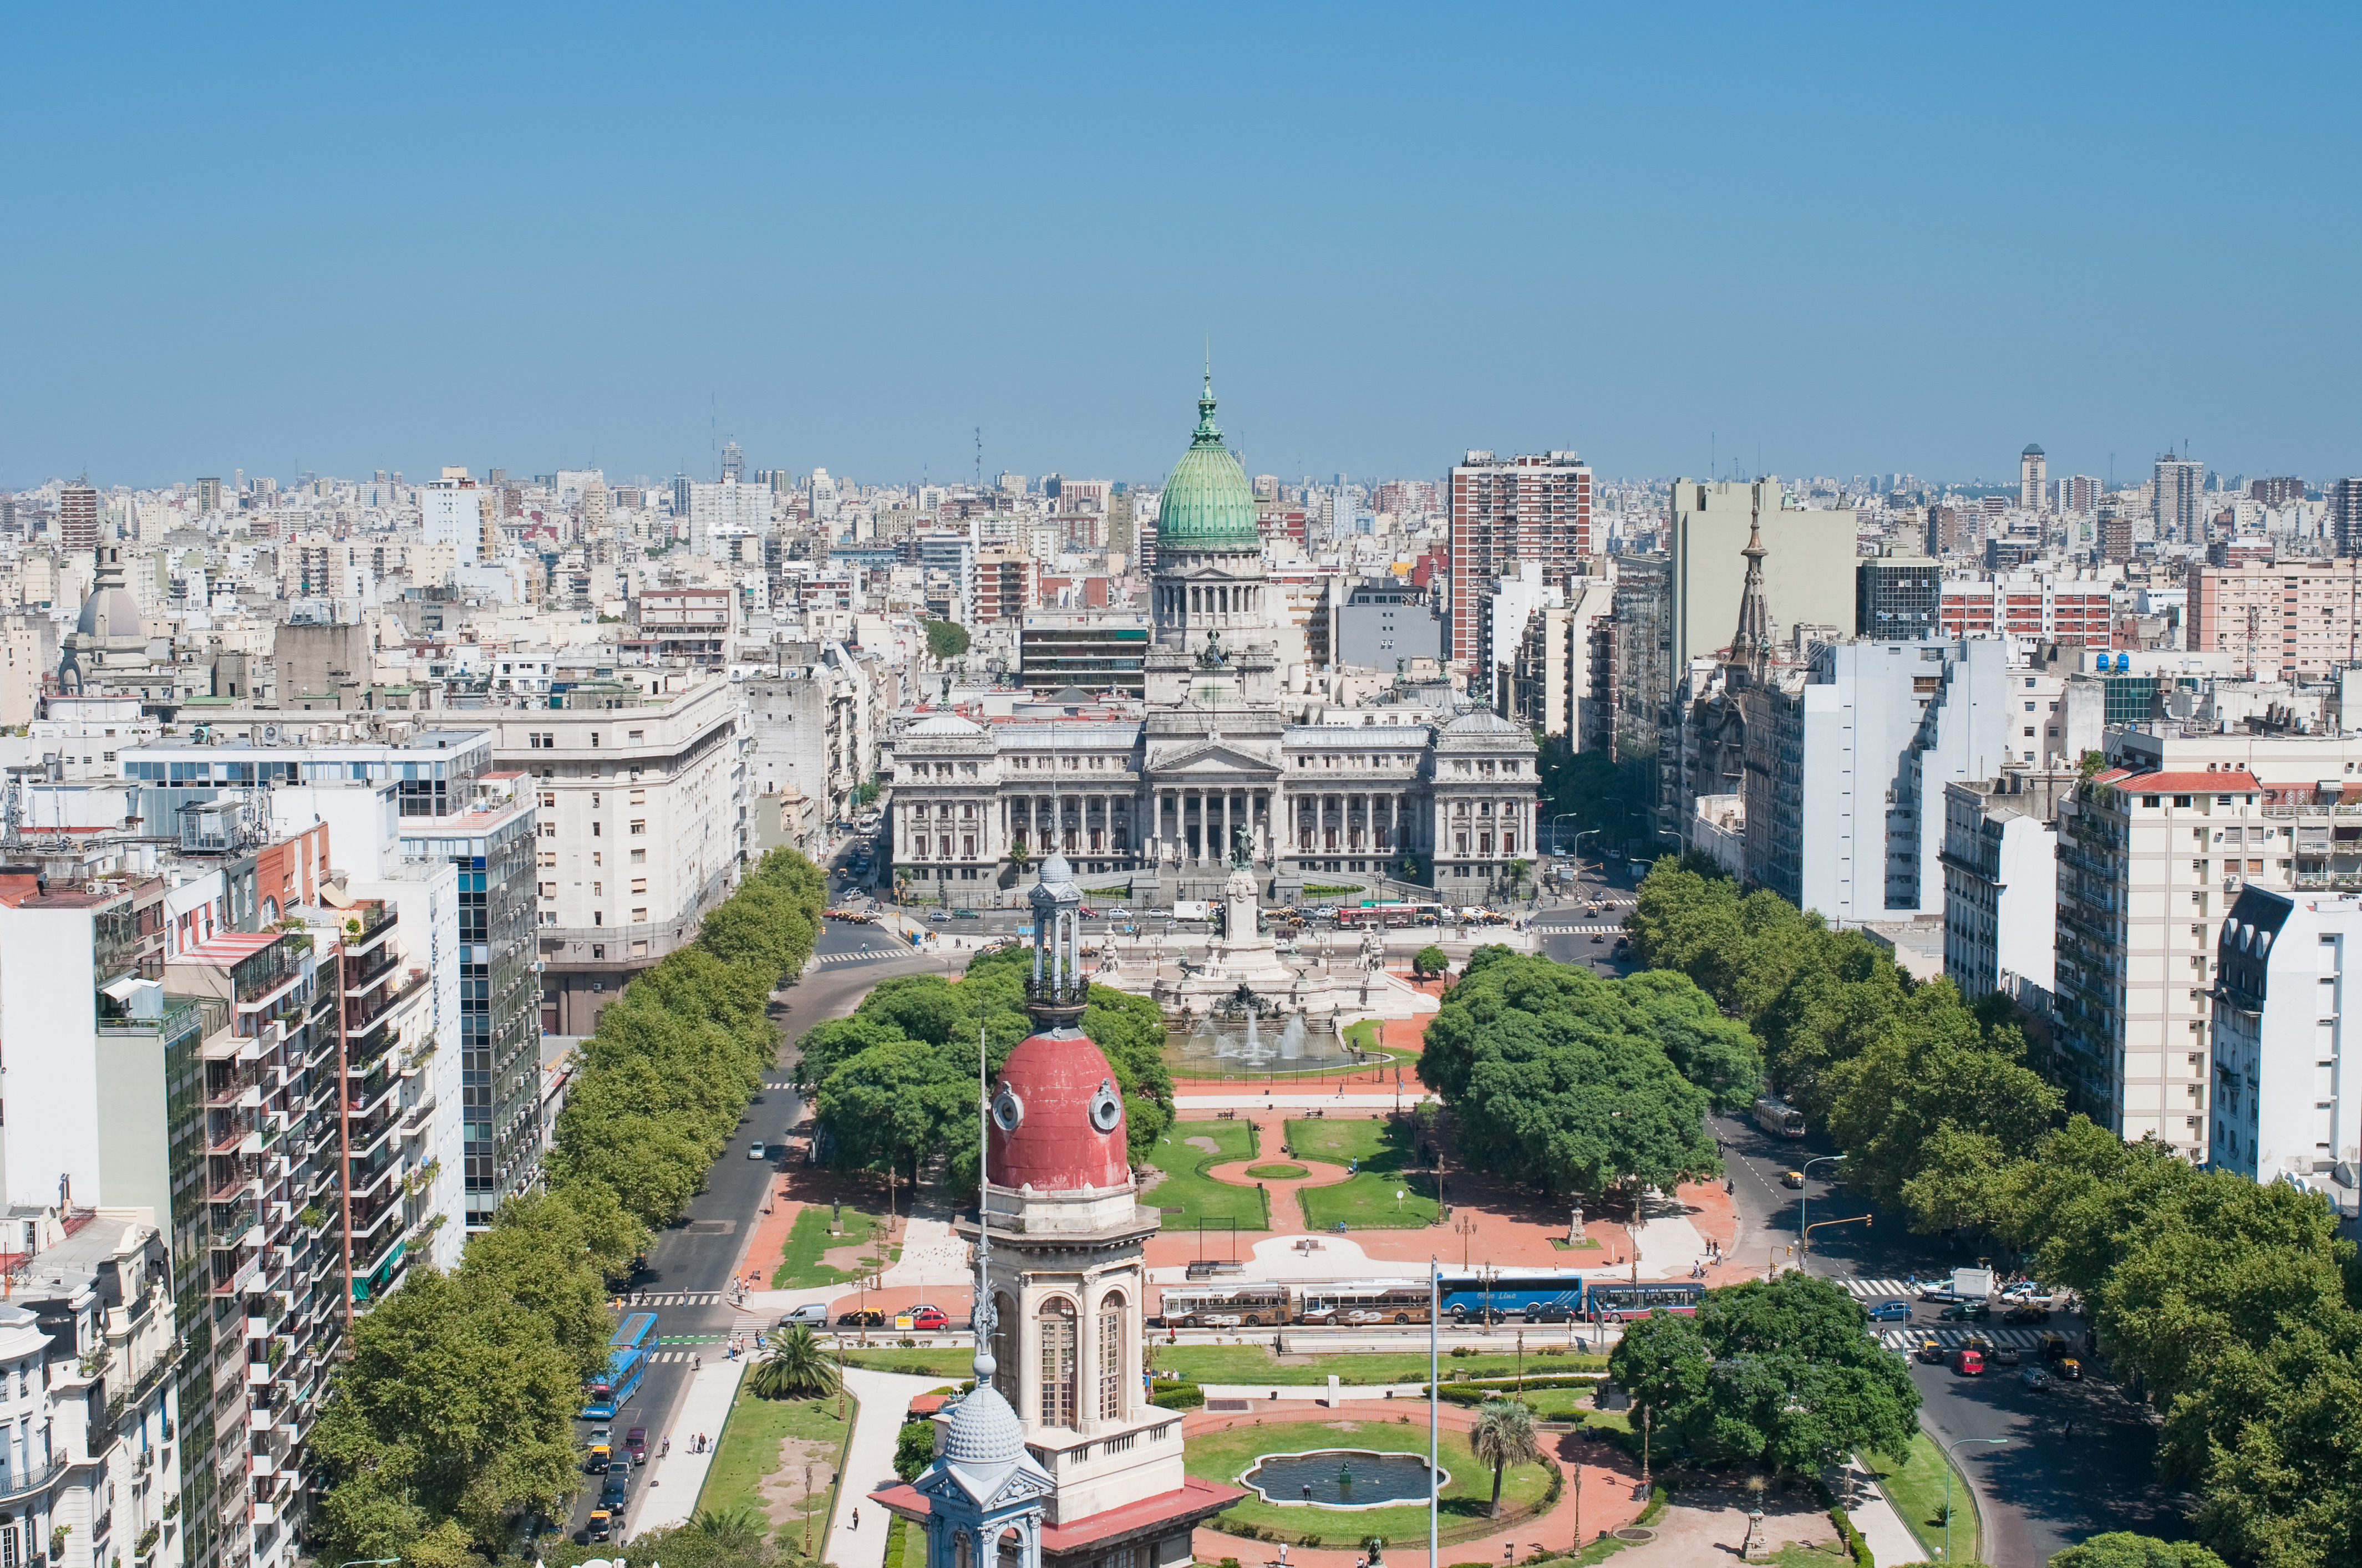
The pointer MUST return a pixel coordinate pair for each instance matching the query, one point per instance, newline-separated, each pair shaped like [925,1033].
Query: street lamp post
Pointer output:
[1805,1198]
[1948,1486]
[1804,1238]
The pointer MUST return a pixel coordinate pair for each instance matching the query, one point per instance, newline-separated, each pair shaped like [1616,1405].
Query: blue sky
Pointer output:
[1849,238]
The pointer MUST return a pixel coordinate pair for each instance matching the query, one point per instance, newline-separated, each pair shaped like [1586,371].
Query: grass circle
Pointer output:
[1277,1172]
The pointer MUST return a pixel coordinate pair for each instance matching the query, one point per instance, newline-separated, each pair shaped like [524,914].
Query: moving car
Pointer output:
[602,1524]
[2034,1377]
[636,1443]
[1891,1312]
[595,1457]
[813,1314]
[2026,1312]
[754,1149]
[2006,1355]
[1792,1178]
[924,1317]
[1931,1353]
[1966,1312]
[1968,1362]
[861,1317]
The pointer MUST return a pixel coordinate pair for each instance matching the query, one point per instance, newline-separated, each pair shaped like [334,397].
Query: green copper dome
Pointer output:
[1206,503]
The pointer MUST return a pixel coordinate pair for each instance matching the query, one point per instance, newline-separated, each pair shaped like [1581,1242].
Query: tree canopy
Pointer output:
[1781,1373]
[1559,1077]
[946,640]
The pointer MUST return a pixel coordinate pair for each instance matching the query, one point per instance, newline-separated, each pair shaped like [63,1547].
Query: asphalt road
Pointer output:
[693,1258]
[2073,1462]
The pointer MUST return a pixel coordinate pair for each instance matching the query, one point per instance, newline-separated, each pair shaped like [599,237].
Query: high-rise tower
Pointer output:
[2033,475]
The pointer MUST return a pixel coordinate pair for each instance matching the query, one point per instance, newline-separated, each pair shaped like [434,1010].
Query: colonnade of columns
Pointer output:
[1072,825]
[1351,823]
[1209,604]
[1197,824]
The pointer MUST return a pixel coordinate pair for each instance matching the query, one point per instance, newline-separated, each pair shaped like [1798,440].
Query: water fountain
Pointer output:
[1340,1478]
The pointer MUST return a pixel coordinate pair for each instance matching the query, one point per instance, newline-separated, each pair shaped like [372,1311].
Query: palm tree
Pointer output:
[1502,1436]
[731,1530]
[793,1364]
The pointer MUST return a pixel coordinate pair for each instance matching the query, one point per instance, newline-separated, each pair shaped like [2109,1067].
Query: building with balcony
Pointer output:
[2001,885]
[2286,1107]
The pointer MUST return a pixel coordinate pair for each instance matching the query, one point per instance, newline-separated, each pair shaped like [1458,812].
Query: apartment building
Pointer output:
[2286,1103]
[2001,885]
[642,816]
[1533,509]
[692,625]
[2046,606]
[449,808]
[2287,619]
[811,729]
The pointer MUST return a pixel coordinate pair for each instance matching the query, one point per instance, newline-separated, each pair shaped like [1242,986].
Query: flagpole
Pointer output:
[1434,1405]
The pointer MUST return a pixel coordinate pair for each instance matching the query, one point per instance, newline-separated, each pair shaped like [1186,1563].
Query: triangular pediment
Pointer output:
[1211,759]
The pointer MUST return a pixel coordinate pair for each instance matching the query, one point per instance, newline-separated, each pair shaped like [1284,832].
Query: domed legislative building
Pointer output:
[1162,791]
[1057,1457]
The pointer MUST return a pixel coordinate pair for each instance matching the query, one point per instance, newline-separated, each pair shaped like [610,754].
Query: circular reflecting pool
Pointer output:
[1340,1478]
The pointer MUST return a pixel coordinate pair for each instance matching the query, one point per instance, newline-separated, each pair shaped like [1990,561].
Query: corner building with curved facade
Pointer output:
[1154,794]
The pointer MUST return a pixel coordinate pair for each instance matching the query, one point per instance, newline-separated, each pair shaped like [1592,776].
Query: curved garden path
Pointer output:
[1271,1134]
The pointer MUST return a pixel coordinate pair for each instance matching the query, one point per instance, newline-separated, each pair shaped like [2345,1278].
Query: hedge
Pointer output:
[1179,1396]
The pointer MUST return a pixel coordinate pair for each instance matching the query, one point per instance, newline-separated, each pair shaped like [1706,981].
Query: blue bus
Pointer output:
[1547,1296]
[627,1363]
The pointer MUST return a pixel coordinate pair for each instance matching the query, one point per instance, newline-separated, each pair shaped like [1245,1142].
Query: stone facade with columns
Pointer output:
[1151,794]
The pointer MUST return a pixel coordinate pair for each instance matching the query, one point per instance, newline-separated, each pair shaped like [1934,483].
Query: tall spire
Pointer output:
[1750,646]
[1208,433]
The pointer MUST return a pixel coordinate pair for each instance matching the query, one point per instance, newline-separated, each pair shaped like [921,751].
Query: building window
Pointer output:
[638,826]
[1110,1349]
[1056,1329]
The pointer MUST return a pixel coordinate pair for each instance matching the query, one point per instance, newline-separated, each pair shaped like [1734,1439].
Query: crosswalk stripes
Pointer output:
[1881,1290]
[1952,1339]
[678,1299]
[863,955]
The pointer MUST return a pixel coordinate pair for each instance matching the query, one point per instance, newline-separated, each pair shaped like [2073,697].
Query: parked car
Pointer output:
[861,1317]
[2034,1377]
[756,1150]
[636,1443]
[1891,1312]
[812,1314]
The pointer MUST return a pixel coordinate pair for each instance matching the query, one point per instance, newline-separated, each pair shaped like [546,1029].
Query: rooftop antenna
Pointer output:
[979,457]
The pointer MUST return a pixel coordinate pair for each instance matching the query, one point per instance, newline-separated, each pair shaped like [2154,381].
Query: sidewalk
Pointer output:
[1882,1530]
[869,1464]
[669,1495]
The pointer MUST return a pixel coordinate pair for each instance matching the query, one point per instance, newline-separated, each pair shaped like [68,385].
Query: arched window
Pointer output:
[1111,1338]
[1059,1373]
[963,1550]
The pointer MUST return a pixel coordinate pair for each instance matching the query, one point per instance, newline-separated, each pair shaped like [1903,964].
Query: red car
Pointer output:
[927,1318]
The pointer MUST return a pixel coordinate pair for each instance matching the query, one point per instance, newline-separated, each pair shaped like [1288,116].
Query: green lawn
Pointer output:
[1188,1194]
[1254,1364]
[748,1450]
[800,1265]
[1367,1201]
[1224,1456]
[1916,1487]
[955,1362]
[1363,1034]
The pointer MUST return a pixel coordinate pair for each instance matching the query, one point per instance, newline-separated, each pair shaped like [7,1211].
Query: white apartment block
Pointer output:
[2001,885]
[2286,1103]
[644,814]
[2152,853]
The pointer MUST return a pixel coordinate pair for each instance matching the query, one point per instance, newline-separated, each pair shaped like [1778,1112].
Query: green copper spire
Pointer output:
[1206,503]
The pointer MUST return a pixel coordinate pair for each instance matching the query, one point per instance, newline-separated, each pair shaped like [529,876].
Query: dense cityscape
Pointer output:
[788,787]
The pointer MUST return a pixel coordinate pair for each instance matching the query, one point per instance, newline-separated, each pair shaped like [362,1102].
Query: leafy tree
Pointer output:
[794,1365]
[1781,1374]
[1428,961]
[896,1104]
[2122,1549]
[945,640]
[914,1448]
[1502,1436]
[1714,1052]
[1557,1081]
[738,1530]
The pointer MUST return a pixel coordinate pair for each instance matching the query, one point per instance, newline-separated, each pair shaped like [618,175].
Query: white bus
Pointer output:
[1357,1302]
[1778,1118]
[1231,1304]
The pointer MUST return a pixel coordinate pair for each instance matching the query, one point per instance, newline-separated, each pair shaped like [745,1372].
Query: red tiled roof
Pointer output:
[1196,1499]
[2223,782]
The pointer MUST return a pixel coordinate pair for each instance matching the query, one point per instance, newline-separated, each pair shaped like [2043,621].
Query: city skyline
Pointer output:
[1785,245]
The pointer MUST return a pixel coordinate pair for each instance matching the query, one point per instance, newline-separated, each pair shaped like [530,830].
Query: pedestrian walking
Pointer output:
[857,1520]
